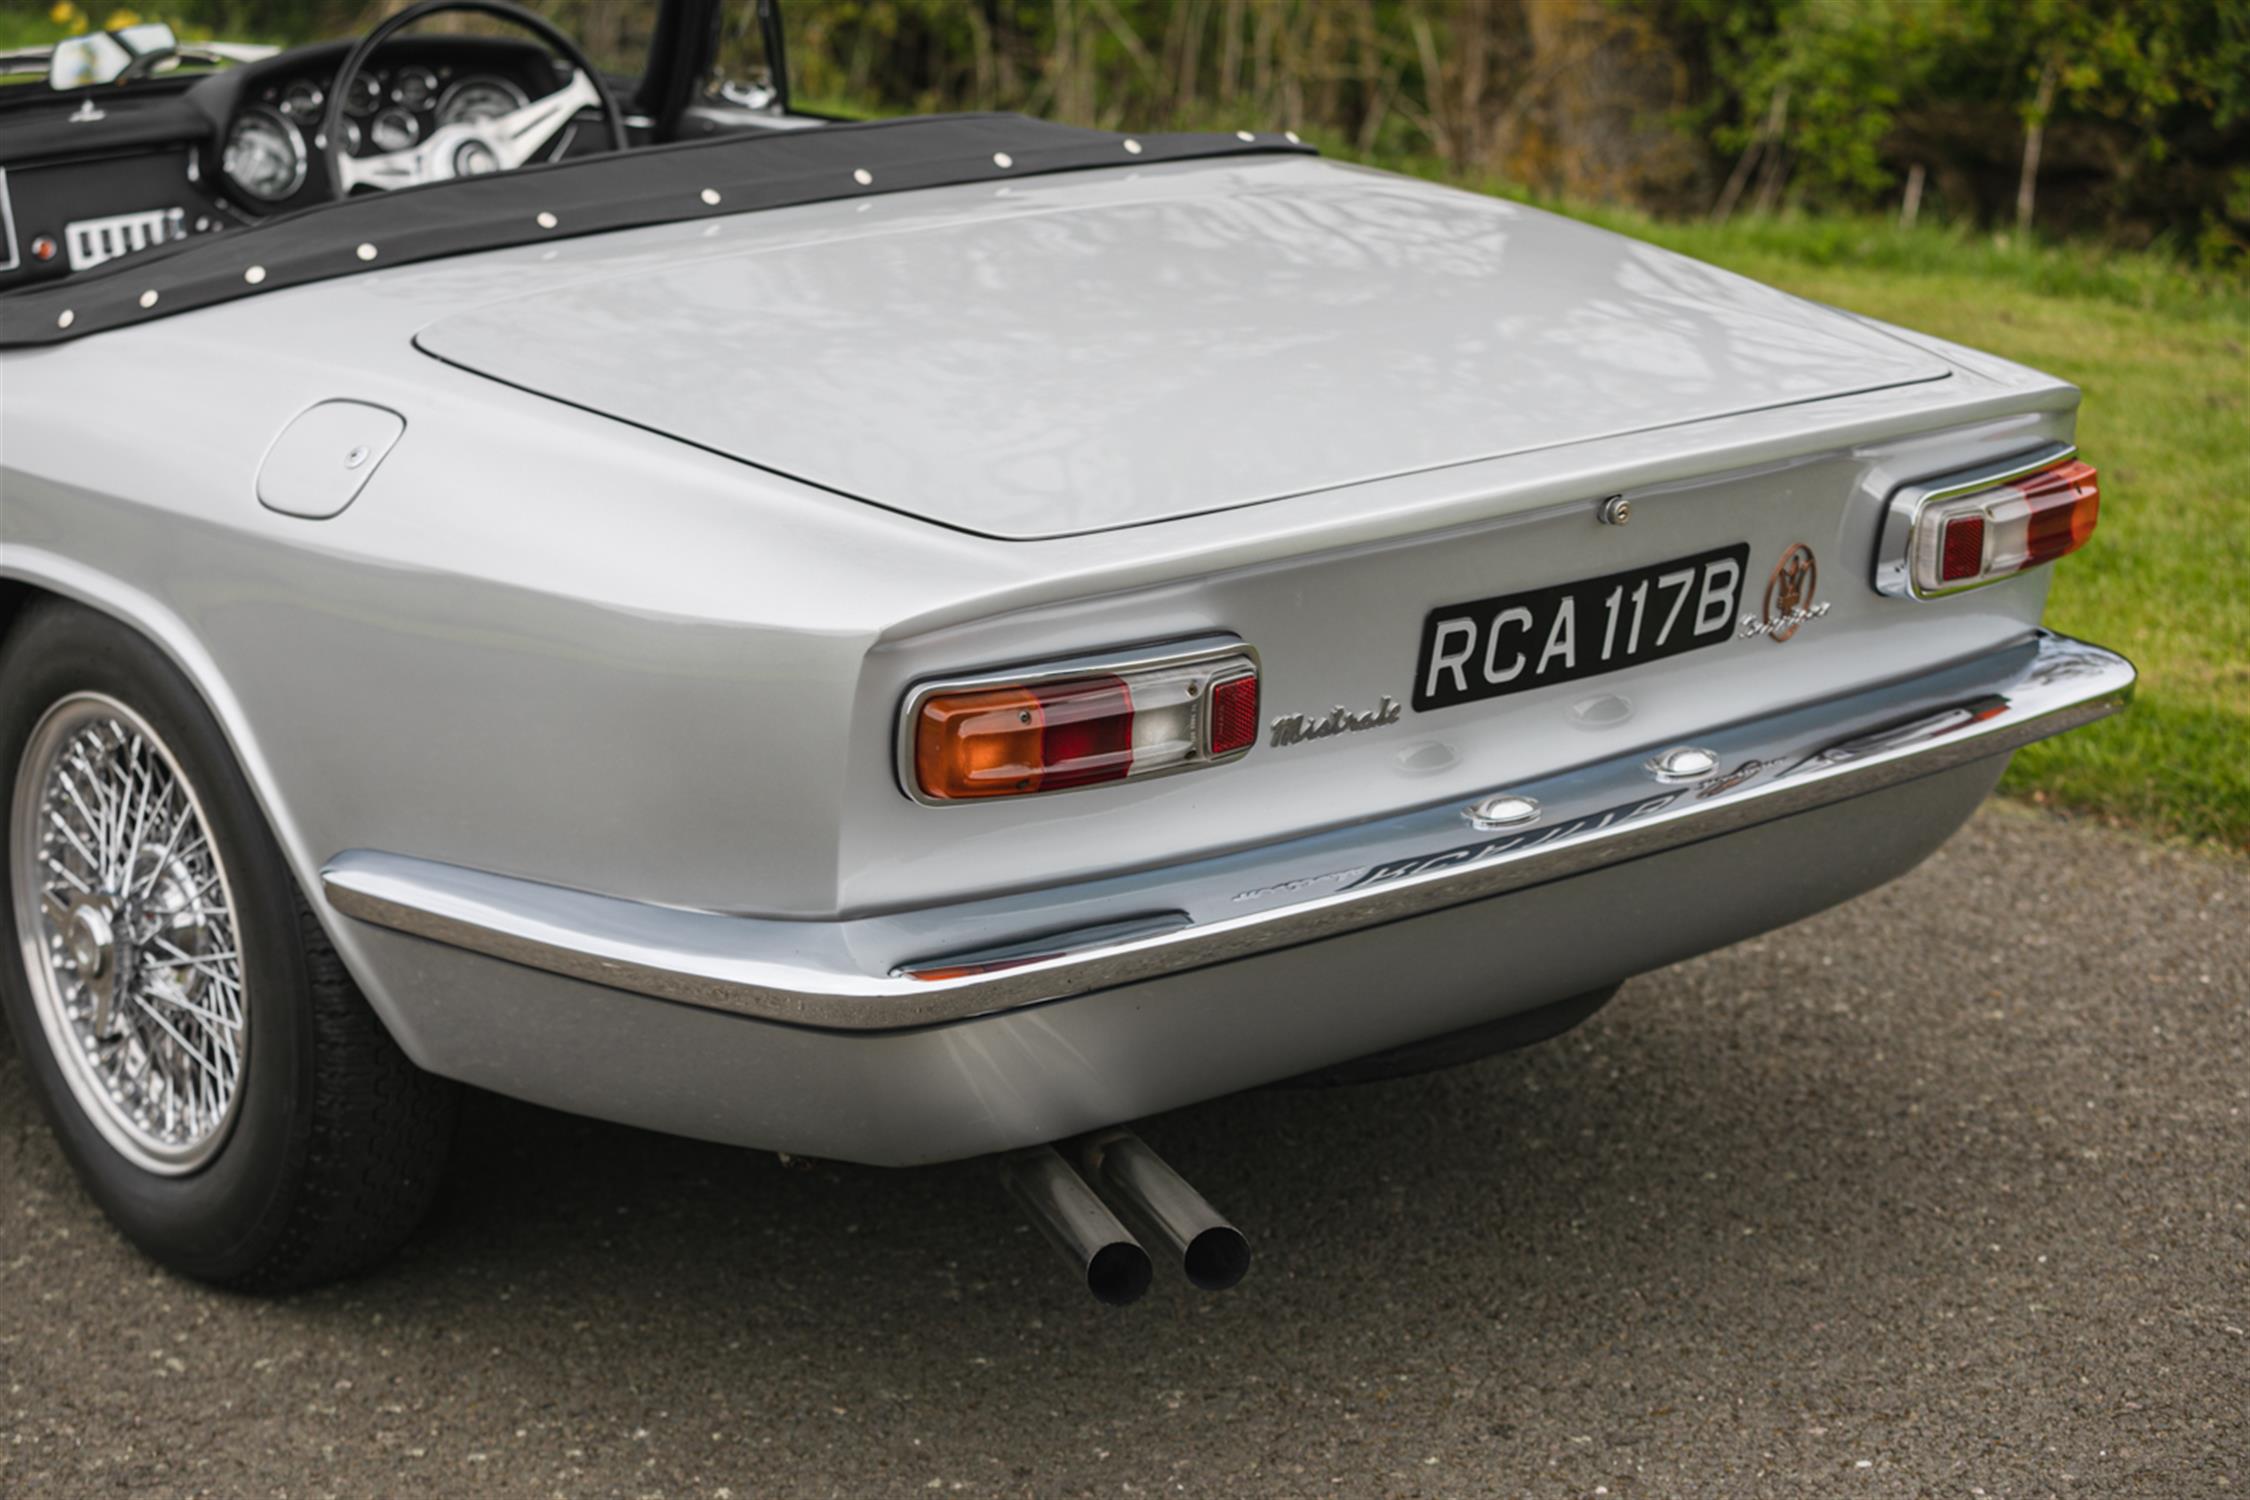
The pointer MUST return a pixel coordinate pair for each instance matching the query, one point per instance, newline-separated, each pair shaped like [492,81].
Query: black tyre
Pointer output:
[219,1083]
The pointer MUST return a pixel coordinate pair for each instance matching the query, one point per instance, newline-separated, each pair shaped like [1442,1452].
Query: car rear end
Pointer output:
[1399,851]
[902,679]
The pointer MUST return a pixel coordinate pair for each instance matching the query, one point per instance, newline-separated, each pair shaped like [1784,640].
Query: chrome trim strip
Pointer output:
[1093,664]
[840,975]
[1894,555]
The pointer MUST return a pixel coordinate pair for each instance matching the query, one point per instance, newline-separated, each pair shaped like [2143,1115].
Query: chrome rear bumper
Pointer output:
[935,965]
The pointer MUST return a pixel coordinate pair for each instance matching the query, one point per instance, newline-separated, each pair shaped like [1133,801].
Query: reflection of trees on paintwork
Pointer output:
[1090,346]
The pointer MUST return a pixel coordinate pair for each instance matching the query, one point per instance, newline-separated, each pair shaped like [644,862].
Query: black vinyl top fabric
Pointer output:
[668,184]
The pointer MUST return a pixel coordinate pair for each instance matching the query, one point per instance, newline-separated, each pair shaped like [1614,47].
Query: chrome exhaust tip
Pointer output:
[1158,1201]
[1077,1223]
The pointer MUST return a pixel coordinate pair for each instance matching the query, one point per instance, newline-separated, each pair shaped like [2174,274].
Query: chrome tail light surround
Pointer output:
[1188,688]
[1928,529]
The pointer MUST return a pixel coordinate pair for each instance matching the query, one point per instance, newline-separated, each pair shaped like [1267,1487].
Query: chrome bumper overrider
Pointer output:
[935,965]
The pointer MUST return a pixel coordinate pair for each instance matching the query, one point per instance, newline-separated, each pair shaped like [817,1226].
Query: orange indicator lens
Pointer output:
[980,744]
[1001,742]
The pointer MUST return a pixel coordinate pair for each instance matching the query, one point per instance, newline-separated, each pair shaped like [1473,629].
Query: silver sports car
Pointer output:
[904,641]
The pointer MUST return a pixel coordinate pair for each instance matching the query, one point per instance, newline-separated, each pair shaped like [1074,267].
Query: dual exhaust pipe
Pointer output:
[1078,1222]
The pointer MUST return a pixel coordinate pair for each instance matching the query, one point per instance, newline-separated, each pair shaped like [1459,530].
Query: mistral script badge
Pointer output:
[1295,729]
[1789,597]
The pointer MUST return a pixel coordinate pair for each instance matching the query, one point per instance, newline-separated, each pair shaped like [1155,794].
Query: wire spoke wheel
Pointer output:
[129,935]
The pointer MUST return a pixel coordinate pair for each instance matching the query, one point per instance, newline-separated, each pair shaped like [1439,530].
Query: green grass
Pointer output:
[2166,373]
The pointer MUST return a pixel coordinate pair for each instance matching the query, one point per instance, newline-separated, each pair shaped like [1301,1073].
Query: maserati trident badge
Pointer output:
[1789,597]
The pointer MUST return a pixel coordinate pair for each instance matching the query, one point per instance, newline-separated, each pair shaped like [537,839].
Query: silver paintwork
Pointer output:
[573,652]
[126,921]
[860,975]
[1042,1073]
[322,460]
[1025,391]
[1894,562]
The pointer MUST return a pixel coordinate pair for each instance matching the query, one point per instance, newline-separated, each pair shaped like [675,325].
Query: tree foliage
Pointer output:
[2128,117]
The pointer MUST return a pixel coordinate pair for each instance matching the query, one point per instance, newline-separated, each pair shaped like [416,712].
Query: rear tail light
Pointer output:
[1995,531]
[1074,725]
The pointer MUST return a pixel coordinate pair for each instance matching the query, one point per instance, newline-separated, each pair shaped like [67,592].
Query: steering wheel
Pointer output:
[467,148]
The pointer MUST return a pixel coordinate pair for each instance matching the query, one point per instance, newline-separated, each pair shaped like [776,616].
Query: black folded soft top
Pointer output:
[660,185]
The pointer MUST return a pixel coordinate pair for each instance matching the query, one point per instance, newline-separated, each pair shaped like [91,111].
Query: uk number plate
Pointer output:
[1516,642]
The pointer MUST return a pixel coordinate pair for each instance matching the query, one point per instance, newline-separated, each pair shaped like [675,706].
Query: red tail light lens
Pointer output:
[1963,555]
[1086,732]
[1050,732]
[1998,532]
[1234,714]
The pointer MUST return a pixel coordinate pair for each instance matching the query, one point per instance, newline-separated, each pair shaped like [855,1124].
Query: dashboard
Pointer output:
[92,174]
[268,153]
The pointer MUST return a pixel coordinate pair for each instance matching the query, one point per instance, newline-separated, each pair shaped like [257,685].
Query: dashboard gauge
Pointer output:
[479,99]
[366,96]
[264,156]
[303,99]
[414,87]
[394,130]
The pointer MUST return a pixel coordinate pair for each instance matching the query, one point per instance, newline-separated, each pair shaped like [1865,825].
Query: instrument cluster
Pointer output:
[269,144]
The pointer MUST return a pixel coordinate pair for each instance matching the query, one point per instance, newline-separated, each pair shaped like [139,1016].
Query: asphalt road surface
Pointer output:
[1943,1193]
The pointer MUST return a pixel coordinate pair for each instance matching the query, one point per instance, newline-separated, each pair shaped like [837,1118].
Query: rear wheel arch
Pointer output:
[24,596]
[21,598]
[340,1141]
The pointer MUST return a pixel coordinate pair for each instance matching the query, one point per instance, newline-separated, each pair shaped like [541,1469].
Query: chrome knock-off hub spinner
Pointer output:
[90,943]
